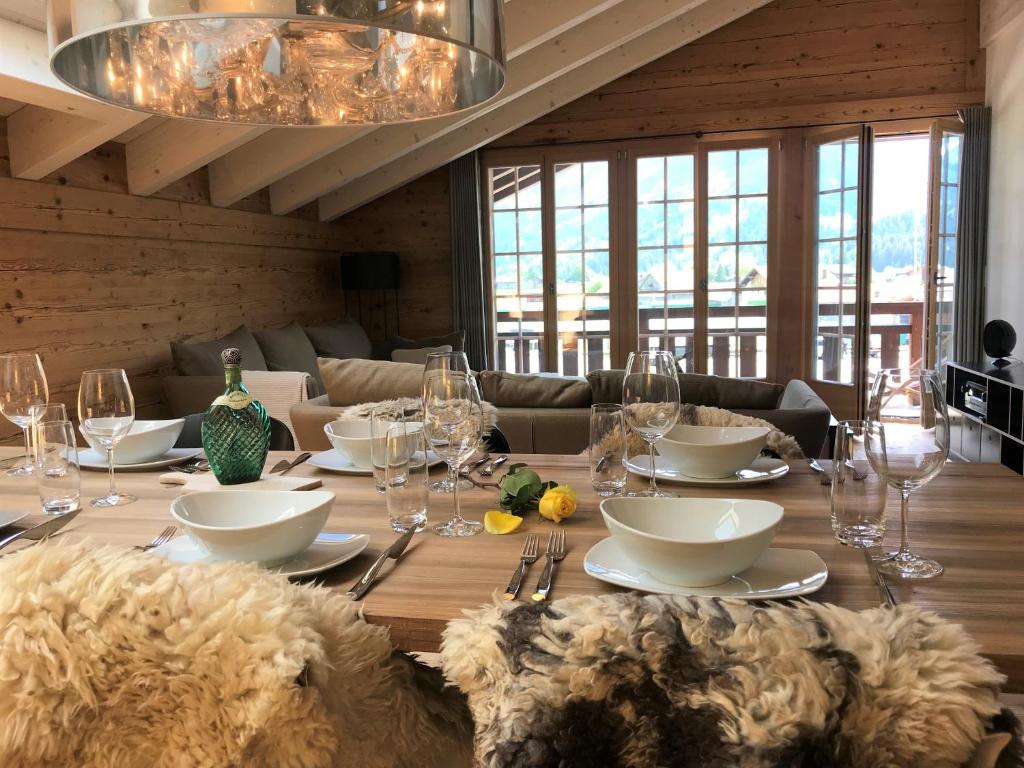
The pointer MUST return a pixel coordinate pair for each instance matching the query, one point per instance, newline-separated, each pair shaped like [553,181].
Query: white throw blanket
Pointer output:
[278,391]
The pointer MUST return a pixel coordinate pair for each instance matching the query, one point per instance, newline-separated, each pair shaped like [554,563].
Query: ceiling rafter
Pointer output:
[686,26]
[281,152]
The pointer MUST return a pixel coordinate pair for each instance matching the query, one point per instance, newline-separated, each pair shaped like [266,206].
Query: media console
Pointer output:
[987,416]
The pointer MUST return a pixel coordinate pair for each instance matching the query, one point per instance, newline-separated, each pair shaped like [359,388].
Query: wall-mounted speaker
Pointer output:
[998,340]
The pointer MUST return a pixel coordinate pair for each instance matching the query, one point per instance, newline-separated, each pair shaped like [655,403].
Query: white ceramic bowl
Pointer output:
[145,441]
[352,440]
[692,542]
[712,452]
[267,527]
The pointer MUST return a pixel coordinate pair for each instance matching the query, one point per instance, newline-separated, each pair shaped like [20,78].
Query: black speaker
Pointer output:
[370,271]
[999,339]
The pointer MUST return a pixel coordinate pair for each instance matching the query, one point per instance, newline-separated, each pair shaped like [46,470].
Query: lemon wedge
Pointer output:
[501,522]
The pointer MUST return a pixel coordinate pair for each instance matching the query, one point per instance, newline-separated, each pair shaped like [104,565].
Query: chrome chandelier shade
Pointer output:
[281,62]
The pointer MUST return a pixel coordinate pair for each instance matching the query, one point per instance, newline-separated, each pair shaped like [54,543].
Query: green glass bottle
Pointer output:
[236,428]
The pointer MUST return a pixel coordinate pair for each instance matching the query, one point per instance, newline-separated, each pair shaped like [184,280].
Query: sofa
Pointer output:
[551,414]
[199,376]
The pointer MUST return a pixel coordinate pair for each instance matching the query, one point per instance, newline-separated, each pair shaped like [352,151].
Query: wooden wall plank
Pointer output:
[793,62]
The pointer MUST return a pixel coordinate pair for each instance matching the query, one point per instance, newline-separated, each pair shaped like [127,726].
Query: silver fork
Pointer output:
[529,557]
[165,535]
[489,469]
[556,551]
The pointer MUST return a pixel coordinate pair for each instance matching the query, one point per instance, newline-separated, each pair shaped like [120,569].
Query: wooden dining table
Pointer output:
[970,518]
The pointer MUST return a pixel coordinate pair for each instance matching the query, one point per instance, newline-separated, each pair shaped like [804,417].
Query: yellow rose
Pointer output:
[557,503]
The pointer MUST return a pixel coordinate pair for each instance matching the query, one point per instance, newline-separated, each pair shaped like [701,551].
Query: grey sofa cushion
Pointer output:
[801,413]
[723,392]
[203,358]
[350,382]
[516,390]
[342,340]
[289,349]
[456,340]
[696,388]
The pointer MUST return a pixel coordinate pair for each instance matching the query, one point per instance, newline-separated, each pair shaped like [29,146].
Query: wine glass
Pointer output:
[453,361]
[452,423]
[908,451]
[650,400]
[106,411]
[22,385]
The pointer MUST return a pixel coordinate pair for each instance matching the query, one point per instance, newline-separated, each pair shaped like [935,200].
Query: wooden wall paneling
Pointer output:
[414,222]
[92,277]
[793,62]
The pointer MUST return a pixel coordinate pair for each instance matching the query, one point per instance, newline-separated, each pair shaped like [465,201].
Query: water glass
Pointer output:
[405,485]
[39,414]
[56,467]
[858,490]
[382,418]
[607,449]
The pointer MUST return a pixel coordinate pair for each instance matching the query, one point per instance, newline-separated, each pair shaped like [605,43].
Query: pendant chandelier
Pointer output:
[281,62]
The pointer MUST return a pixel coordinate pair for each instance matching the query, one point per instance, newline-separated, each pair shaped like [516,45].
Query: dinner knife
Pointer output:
[884,593]
[369,578]
[42,530]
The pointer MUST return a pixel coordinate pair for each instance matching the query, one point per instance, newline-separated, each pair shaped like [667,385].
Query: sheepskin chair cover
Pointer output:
[640,681]
[779,443]
[362,411]
[110,657]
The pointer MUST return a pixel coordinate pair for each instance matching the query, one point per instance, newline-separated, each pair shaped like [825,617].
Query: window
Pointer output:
[582,267]
[518,269]
[737,259]
[693,228]
[665,244]
[835,258]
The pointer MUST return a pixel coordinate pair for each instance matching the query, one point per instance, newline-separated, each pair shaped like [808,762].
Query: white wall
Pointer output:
[1004,62]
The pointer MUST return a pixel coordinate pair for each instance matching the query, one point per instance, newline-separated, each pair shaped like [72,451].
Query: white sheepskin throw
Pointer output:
[779,443]
[114,658]
[650,681]
[362,411]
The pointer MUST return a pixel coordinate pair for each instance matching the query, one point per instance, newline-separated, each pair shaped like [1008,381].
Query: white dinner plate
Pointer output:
[10,518]
[90,459]
[762,470]
[333,461]
[777,574]
[326,551]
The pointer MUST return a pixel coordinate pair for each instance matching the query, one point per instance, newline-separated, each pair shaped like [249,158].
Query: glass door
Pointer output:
[947,138]
[837,238]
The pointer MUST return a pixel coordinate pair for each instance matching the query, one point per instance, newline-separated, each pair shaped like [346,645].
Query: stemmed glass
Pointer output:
[106,411]
[908,453]
[452,423]
[650,400]
[22,386]
[453,361]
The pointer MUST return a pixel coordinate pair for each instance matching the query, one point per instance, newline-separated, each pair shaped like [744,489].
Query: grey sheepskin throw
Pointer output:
[111,658]
[779,443]
[656,681]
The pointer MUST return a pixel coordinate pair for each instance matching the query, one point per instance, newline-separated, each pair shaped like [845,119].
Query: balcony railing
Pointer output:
[900,326]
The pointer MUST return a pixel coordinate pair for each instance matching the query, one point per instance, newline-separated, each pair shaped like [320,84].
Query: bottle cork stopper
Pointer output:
[231,356]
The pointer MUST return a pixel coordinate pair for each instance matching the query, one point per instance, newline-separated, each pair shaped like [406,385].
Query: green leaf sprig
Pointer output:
[520,490]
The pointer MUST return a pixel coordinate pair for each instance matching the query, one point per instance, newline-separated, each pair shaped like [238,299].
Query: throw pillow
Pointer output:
[456,339]
[418,356]
[288,349]
[606,385]
[350,382]
[340,340]
[515,390]
[203,358]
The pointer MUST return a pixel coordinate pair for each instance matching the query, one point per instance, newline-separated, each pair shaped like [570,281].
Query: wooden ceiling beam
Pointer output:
[41,140]
[686,26]
[285,151]
[175,148]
